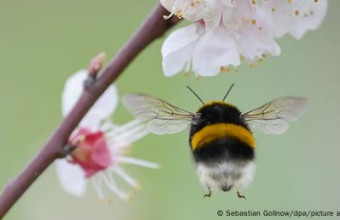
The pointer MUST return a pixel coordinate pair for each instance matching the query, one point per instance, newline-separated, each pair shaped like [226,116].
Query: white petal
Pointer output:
[214,50]
[72,90]
[254,43]
[213,11]
[91,121]
[74,87]
[241,12]
[71,177]
[177,49]
[316,13]
[228,3]
[107,103]
[297,17]
[168,4]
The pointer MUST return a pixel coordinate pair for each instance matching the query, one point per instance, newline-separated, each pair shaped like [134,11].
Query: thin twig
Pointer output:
[152,28]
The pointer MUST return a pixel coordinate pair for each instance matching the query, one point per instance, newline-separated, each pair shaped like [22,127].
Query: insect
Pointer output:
[221,142]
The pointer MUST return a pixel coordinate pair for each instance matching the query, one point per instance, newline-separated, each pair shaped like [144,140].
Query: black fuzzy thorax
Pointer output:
[222,149]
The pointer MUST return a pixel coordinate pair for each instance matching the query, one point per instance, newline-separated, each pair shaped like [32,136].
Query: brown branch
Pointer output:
[152,28]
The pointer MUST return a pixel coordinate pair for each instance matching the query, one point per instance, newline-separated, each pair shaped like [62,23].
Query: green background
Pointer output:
[42,42]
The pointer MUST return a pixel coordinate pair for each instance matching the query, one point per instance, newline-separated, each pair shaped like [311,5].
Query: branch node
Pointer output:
[66,150]
[88,83]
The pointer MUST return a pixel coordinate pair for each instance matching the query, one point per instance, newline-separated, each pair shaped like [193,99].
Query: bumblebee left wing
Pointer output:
[161,116]
[272,117]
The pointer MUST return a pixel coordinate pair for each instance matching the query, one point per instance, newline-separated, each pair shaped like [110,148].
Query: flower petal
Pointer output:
[71,177]
[311,20]
[296,17]
[102,109]
[213,12]
[214,50]
[254,43]
[177,49]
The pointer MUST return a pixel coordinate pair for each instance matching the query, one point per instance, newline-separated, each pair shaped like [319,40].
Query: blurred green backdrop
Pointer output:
[42,42]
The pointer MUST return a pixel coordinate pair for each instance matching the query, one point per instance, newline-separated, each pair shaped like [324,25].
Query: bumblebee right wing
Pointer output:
[272,117]
[161,117]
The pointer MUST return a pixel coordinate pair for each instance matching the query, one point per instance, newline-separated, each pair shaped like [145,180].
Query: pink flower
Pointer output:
[92,153]
[102,147]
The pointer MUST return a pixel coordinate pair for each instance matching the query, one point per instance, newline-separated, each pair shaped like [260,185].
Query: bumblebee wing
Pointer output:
[161,116]
[272,117]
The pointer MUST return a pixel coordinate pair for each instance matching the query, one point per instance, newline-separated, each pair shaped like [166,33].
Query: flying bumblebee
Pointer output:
[222,144]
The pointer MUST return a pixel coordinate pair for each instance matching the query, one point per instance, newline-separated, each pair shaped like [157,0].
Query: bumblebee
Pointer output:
[221,141]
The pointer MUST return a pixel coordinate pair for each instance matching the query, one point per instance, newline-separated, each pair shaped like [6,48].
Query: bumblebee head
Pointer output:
[217,111]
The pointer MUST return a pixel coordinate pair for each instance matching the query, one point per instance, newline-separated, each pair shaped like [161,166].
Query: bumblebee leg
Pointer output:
[209,192]
[239,195]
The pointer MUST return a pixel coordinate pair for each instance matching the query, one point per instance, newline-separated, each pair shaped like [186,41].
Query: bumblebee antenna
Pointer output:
[225,96]
[193,92]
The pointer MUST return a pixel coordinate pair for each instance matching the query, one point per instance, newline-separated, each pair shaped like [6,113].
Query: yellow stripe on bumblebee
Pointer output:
[213,132]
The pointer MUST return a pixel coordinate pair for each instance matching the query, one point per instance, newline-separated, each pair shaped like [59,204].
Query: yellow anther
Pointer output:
[224,69]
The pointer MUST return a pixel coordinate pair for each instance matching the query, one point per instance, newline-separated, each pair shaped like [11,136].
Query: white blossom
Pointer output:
[225,31]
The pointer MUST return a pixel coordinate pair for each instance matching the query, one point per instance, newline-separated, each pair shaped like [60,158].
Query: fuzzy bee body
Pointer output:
[223,147]
[221,142]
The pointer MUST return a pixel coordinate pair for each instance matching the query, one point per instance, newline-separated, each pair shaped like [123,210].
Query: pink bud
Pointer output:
[96,64]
